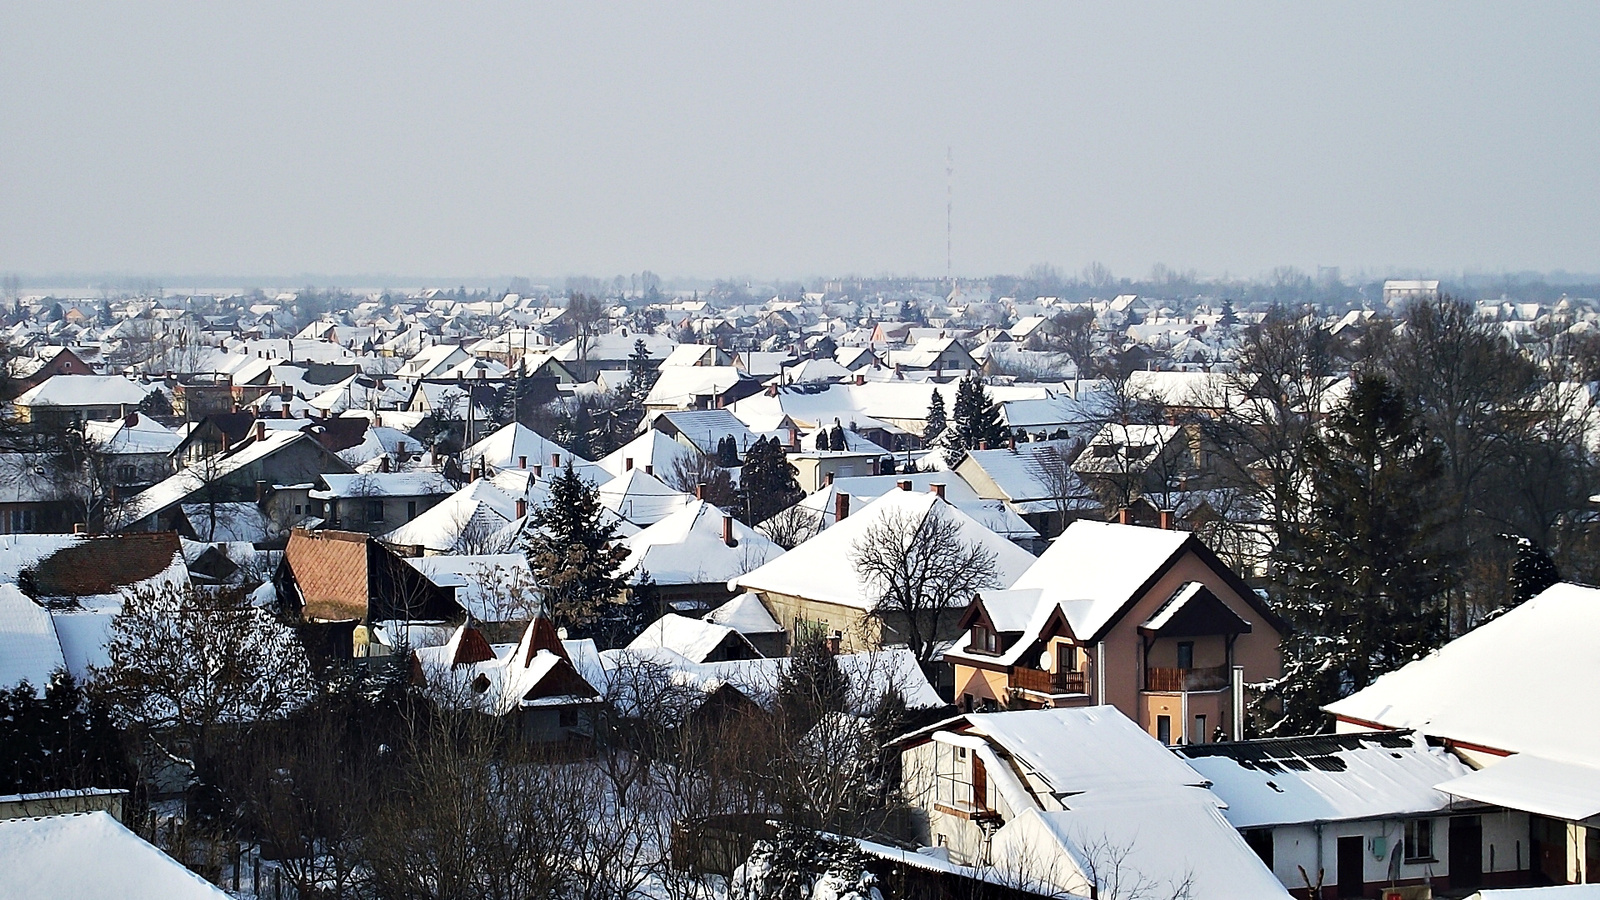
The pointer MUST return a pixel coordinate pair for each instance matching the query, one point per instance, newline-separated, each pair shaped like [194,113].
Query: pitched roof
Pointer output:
[85,390]
[746,615]
[1466,690]
[693,639]
[1325,778]
[91,856]
[820,568]
[105,564]
[29,648]
[686,547]
[1094,569]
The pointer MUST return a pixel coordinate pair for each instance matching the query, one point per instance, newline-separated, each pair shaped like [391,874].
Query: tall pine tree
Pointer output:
[767,483]
[1362,583]
[936,419]
[976,421]
[574,554]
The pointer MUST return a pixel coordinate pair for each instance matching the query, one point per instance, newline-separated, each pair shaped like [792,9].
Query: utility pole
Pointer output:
[949,206]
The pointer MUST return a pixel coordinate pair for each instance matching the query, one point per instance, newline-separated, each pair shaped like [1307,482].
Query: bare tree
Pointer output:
[923,571]
[689,472]
[184,664]
[792,527]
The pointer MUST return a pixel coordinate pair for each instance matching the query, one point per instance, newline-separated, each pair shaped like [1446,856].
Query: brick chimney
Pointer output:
[383,463]
[649,469]
[905,484]
[261,430]
[1125,516]
[522,507]
[841,506]
[627,464]
[700,491]
[537,470]
[937,488]
[131,420]
[555,460]
[1166,520]
[522,462]
[727,531]
[827,478]
[860,379]
[835,642]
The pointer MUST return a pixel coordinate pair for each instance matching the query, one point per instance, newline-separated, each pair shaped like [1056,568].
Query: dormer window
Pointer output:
[984,640]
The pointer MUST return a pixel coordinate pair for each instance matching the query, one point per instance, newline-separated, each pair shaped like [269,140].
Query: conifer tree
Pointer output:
[642,376]
[1532,571]
[1362,583]
[976,421]
[767,483]
[936,418]
[574,554]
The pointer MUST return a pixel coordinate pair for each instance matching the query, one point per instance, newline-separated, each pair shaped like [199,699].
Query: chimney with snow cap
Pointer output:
[904,484]
[937,488]
[261,430]
[522,507]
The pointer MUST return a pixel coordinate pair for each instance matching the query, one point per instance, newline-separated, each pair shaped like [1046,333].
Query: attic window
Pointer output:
[984,640]
[1140,451]
[1105,451]
[480,684]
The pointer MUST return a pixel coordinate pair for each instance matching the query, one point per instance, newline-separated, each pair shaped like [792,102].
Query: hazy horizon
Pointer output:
[782,143]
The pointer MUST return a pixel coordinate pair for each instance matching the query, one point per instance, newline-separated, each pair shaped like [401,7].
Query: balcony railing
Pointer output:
[1209,678]
[1042,682]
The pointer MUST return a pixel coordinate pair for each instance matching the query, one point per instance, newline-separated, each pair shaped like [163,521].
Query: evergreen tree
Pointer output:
[976,421]
[64,739]
[1532,571]
[642,376]
[767,483]
[728,452]
[836,437]
[621,622]
[936,418]
[1229,318]
[574,554]
[813,685]
[1361,584]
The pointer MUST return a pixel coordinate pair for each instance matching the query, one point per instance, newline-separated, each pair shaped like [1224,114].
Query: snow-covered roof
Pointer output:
[871,676]
[470,516]
[652,448]
[385,484]
[511,444]
[1467,691]
[1037,471]
[134,433]
[90,856]
[29,648]
[820,569]
[85,390]
[693,639]
[1326,778]
[496,587]
[746,615]
[1093,568]
[1533,784]
[1178,845]
[176,487]
[683,386]
[686,547]
[641,498]
[514,676]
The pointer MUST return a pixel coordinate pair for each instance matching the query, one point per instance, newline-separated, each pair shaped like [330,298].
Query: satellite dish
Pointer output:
[1044,660]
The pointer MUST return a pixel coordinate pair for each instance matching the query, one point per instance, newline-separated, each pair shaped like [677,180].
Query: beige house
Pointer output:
[1144,619]
[816,585]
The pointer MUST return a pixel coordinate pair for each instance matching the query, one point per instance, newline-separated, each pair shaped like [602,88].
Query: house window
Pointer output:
[1260,840]
[984,640]
[297,509]
[1164,729]
[1186,655]
[1419,840]
[374,510]
[1066,658]
[126,473]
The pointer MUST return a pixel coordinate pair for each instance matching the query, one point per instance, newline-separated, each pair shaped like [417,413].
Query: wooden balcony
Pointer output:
[1210,678]
[1042,682]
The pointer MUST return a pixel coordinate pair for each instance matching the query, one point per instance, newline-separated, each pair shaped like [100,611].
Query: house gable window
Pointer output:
[984,640]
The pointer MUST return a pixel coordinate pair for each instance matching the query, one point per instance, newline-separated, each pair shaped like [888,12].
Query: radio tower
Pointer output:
[949,204]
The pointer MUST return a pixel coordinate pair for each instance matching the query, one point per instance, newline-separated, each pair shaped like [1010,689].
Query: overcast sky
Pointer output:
[790,141]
